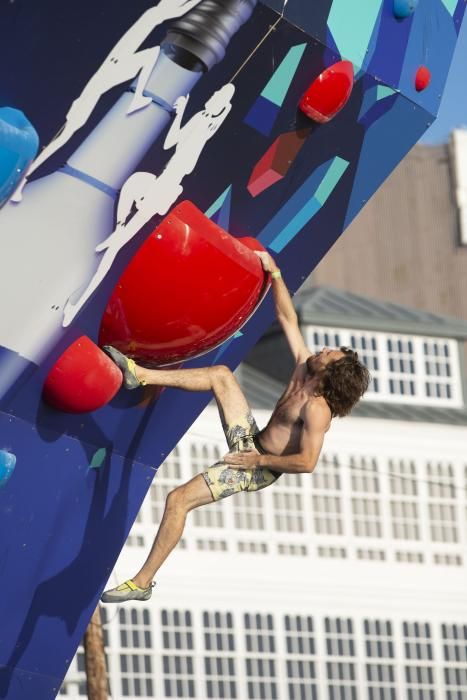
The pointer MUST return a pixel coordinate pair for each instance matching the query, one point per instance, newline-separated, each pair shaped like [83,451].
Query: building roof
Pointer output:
[333,307]
[267,367]
[262,391]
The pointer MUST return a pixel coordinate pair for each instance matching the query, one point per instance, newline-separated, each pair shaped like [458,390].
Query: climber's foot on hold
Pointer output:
[126,365]
[127,591]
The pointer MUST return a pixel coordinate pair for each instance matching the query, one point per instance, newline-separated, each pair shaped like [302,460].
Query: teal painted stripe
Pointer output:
[351,25]
[330,180]
[296,225]
[450,5]
[277,88]
[98,458]
[223,220]
[214,208]
[383,91]
[308,211]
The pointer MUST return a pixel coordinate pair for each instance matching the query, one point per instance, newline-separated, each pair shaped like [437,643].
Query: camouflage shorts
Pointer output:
[223,480]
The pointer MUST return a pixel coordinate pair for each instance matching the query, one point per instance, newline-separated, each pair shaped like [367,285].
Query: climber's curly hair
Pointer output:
[343,383]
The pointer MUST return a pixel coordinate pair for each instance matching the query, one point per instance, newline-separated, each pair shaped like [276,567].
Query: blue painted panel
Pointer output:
[428,35]
[262,115]
[432,41]
[26,684]
[62,525]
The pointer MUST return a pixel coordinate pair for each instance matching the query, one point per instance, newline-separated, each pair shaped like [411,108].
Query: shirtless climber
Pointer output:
[322,386]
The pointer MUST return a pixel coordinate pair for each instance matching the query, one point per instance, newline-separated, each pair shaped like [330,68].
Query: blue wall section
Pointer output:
[426,37]
[79,480]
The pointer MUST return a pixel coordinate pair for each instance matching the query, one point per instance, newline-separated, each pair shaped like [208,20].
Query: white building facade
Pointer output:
[347,584]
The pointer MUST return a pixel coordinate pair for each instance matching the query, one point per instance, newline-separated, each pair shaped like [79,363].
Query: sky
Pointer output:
[453,110]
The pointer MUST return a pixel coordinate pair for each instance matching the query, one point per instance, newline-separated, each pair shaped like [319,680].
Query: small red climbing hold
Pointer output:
[83,379]
[329,92]
[422,78]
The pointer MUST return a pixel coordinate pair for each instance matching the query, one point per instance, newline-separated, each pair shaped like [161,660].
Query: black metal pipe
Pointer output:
[198,40]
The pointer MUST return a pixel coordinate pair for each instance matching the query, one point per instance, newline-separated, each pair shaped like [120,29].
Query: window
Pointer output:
[442,507]
[253,547]
[410,557]
[300,664]
[211,545]
[339,637]
[419,667]
[380,671]
[105,621]
[340,664]
[293,550]
[401,364]
[447,559]
[136,675]
[327,514]
[178,666]
[366,517]
[332,552]
[405,516]
[135,659]
[323,337]
[288,510]
[327,506]
[249,511]
[437,369]
[287,498]
[455,658]
[135,628]
[135,540]
[404,368]
[366,501]
[299,635]
[371,554]
[219,658]
[74,684]
[260,663]
[367,346]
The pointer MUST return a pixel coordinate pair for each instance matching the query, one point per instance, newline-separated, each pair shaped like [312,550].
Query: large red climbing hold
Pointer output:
[189,287]
[422,78]
[328,94]
[83,379]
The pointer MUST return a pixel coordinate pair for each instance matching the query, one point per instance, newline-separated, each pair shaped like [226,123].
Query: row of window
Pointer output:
[363,498]
[404,368]
[221,655]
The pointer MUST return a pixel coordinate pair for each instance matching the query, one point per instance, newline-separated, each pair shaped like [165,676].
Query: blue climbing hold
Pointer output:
[7,464]
[404,8]
[19,143]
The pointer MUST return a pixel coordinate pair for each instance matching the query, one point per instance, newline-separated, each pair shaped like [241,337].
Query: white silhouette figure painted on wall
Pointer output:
[123,63]
[150,194]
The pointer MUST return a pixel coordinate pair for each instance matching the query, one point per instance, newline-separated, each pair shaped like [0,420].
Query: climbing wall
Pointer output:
[77,458]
